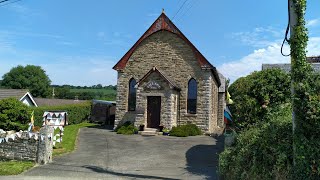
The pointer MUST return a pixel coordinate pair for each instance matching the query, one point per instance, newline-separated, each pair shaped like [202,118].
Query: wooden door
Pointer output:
[153,108]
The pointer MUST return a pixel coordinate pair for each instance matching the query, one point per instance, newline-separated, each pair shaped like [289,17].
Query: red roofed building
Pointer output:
[163,80]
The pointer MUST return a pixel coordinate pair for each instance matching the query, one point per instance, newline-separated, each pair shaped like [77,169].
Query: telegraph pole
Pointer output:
[293,22]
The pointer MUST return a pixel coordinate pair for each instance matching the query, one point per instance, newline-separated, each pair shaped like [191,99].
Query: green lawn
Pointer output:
[69,138]
[14,167]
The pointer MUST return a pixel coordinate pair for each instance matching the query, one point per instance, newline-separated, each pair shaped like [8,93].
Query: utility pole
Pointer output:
[293,22]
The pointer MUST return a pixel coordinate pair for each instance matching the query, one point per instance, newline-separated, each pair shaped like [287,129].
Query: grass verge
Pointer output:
[67,145]
[14,167]
[69,138]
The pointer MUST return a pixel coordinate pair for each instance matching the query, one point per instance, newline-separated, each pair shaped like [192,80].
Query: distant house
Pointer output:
[22,95]
[315,63]
[57,102]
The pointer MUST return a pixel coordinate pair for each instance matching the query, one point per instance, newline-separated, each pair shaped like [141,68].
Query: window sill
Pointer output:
[190,115]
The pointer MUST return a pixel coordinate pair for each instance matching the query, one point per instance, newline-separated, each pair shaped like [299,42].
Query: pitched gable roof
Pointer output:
[16,93]
[154,69]
[19,94]
[57,102]
[164,23]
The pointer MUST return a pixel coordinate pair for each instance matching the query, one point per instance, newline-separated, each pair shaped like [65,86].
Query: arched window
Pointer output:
[132,95]
[192,96]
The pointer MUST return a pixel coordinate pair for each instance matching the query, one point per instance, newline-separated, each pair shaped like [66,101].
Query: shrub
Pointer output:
[185,130]
[14,115]
[251,94]
[77,113]
[126,128]
[261,152]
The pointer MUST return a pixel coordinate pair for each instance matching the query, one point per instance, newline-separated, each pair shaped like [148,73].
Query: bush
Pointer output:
[253,93]
[261,152]
[127,128]
[14,115]
[77,113]
[185,130]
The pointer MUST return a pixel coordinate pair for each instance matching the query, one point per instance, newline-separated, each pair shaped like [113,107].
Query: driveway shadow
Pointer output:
[204,159]
[103,170]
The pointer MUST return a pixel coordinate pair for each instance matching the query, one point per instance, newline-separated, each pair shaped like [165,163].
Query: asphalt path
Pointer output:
[102,154]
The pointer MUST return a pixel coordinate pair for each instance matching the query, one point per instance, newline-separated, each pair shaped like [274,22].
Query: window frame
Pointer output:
[132,107]
[192,108]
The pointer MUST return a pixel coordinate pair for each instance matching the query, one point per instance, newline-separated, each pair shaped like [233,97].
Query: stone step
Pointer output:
[148,133]
[151,129]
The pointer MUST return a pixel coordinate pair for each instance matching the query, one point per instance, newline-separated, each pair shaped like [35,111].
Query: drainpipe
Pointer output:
[178,108]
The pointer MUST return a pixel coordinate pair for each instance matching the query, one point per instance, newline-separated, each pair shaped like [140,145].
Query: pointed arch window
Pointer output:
[132,95]
[192,96]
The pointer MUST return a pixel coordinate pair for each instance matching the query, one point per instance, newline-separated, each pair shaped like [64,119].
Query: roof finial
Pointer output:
[163,10]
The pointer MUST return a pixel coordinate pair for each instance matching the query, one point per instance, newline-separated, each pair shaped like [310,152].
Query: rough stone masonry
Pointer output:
[27,146]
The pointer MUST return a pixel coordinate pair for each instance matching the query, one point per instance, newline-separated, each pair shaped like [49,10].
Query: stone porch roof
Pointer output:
[154,69]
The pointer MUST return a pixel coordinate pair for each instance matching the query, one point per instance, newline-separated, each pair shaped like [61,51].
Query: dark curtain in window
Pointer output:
[132,95]
[192,97]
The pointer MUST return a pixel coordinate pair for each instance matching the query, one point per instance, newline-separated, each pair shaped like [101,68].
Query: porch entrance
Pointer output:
[153,111]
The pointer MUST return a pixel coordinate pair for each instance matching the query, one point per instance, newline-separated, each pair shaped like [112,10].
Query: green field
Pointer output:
[104,91]
[101,94]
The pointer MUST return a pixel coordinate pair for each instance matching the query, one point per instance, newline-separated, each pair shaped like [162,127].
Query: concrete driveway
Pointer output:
[102,154]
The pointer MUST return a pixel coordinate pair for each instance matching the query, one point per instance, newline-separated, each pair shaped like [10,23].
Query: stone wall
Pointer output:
[222,104]
[175,58]
[25,146]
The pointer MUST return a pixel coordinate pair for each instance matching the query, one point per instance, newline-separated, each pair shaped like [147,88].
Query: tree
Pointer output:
[14,115]
[255,95]
[29,77]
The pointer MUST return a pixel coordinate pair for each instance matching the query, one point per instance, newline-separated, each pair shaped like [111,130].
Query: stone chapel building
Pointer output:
[164,80]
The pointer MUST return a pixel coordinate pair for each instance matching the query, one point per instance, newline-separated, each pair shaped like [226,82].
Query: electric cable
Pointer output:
[287,32]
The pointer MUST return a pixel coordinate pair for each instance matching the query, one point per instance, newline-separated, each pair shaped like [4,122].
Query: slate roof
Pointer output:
[163,23]
[16,93]
[57,102]
[314,60]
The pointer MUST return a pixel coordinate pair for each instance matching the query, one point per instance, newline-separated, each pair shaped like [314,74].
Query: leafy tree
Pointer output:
[29,77]
[255,95]
[14,115]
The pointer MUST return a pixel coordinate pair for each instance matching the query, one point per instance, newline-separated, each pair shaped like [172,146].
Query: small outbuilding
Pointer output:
[103,112]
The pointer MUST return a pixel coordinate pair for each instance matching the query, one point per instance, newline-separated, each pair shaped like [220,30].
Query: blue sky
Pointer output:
[78,42]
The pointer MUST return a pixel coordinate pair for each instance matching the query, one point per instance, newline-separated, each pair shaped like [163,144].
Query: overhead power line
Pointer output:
[188,10]
[6,2]
[179,9]
[2,1]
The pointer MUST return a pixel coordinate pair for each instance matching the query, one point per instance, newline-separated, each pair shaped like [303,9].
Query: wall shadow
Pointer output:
[103,170]
[102,126]
[203,160]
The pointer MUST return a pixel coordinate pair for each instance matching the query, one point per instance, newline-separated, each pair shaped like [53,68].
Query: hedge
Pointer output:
[77,113]
[263,151]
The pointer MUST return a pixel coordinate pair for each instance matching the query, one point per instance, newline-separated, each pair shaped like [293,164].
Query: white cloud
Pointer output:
[258,37]
[313,22]
[268,55]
